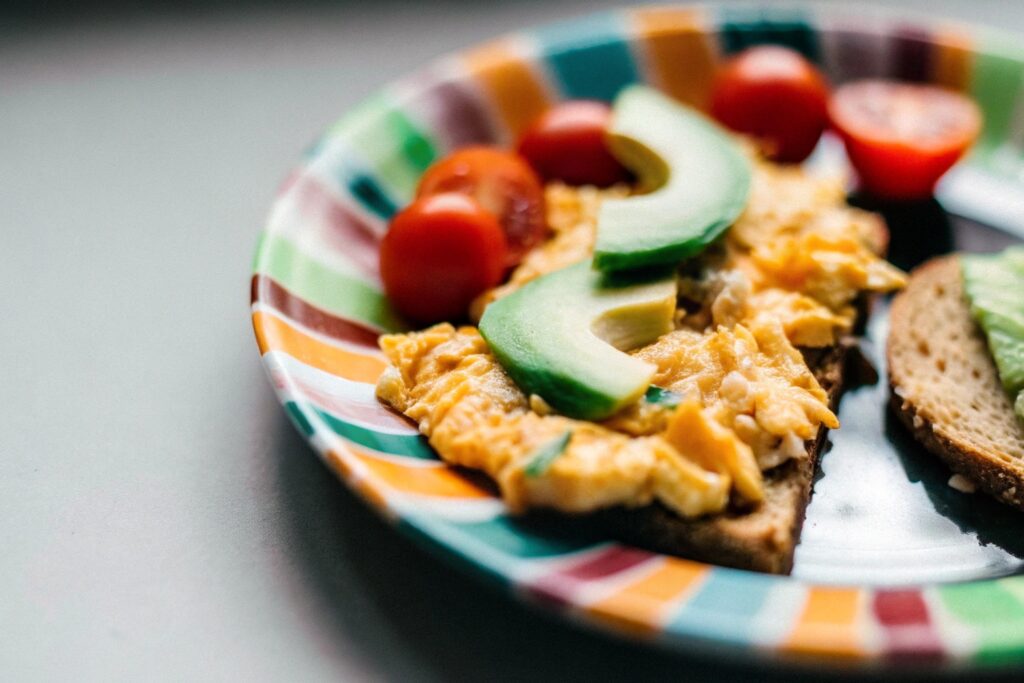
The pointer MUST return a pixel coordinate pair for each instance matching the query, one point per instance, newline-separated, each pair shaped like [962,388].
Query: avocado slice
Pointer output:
[697,177]
[994,285]
[562,337]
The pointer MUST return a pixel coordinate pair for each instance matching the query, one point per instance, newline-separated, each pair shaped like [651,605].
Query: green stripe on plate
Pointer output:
[396,148]
[409,445]
[299,418]
[995,615]
[1015,585]
[996,80]
[499,541]
[322,286]
[742,27]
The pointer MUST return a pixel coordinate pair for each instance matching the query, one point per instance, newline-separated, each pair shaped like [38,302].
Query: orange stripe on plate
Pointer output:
[273,333]
[952,60]
[441,481]
[641,606]
[829,623]
[680,57]
[370,490]
[512,84]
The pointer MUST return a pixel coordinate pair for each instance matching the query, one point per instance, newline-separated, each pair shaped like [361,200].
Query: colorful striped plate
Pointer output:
[317,308]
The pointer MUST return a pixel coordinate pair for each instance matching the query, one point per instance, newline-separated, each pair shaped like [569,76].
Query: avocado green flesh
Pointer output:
[562,337]
[994,285]
[697,175]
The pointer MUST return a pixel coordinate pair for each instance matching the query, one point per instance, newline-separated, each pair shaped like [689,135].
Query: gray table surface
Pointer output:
[159,517]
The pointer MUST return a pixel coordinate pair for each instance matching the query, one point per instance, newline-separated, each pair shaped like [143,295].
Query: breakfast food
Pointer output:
[776,96]
[567,144]
[666,363]
[956,365]
[902,137]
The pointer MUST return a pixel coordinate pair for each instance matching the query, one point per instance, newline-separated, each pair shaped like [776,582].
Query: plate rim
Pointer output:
[955,651]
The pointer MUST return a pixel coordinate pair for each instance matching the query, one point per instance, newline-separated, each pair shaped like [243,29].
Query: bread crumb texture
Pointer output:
[945,383]
[962,484]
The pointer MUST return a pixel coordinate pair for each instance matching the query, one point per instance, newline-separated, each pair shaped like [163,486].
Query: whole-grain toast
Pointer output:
[945,387]
[763,539]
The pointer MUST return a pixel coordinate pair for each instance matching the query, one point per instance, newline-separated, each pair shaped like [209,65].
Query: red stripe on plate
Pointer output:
[903,615]
[266,291]
[345,230]
[560,585]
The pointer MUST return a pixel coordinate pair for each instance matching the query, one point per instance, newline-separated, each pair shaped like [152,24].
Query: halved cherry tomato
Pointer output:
[774,94]
[503,184]
[567,143]
[439,253]
[902,137]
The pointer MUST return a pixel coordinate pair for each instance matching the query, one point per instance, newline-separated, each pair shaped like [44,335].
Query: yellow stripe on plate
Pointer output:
[515,88]
[679,56]
[952,59]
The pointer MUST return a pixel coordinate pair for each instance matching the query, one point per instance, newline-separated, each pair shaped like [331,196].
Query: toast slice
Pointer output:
[763,539]
[945,387]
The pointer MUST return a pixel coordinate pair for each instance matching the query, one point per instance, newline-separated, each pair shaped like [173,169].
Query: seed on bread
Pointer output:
[945,387]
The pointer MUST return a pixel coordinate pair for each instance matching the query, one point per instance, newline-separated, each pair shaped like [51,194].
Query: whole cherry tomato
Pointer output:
[503,183]
[567,143]
[439,253]
[902,137]
[774,94]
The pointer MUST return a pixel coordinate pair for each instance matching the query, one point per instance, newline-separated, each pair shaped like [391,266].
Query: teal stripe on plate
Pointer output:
[724,606]
[409,445]
[396,149]
[370,194]
[589,58]
[498,541]
[743,27]
[337,160]
[299,418]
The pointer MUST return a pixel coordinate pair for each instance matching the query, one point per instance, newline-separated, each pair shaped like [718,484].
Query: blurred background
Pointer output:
[159,517]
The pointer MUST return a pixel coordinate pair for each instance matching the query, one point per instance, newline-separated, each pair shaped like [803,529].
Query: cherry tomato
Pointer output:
[774,94]
[902,137]
[439,253]
[567,143]
[503,184]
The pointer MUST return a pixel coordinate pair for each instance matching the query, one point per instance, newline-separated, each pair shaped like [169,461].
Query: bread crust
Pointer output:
[763,539]
[990,470]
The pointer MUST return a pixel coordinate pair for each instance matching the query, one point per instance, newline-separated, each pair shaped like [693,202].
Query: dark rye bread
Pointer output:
[763,539]
[945,387]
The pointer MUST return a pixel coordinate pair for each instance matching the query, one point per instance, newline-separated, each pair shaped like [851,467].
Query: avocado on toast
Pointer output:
[945,385]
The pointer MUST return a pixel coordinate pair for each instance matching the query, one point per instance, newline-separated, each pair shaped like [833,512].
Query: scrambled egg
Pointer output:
[474,415]
[753,381]
[798,253]
[572,217]
[787,274]
[806,255]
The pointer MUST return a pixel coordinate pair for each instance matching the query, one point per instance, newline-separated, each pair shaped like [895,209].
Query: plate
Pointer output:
[894,565]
